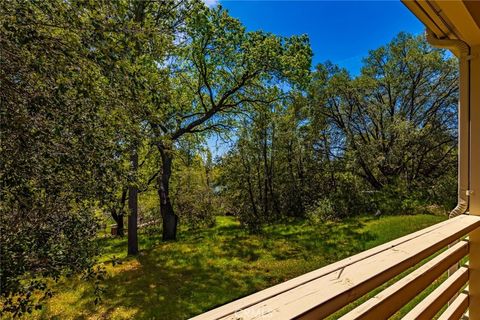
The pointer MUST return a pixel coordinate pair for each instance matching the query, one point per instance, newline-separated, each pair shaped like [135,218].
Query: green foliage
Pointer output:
[57,146]
[194,199]
[216,72]
[398,118]
[86,86]
[321,211]
[383,142]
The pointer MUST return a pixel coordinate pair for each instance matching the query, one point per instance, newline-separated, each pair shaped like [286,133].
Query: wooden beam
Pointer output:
[420,10]
[460,18]
[456,309]
[393,298]
[435,301]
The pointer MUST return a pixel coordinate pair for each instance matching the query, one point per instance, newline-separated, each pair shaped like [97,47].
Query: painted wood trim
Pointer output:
[393,298]
[456,309]
[435,301]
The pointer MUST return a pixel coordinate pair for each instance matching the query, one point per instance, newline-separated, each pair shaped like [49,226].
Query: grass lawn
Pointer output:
[207,268]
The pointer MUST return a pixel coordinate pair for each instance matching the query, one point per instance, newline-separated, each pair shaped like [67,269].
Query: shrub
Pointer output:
[321,211]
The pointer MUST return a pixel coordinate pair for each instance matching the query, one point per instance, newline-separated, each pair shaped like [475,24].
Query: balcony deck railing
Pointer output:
[322,292]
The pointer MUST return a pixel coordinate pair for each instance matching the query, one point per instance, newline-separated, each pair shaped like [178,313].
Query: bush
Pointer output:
[43,241]
[195,208]
[321,211]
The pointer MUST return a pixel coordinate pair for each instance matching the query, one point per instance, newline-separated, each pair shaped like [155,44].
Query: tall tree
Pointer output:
[384,140]
[217,70]
[399,116]
[131,58]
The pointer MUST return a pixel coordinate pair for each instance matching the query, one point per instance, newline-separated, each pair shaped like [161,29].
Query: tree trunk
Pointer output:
[119,221]
[133,206]
[118,215]
[118,211]
[266,206]
[120,225]
[170,219]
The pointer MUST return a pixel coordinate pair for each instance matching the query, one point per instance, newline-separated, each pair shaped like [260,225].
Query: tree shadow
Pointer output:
[210,267]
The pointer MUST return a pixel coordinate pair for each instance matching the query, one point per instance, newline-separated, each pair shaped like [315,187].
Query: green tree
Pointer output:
[193,196]
[57,145]
[397,119]
[133,41]
[383,141]
[216,72]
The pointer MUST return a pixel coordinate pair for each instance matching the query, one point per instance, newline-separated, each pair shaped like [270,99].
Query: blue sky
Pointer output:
[340,31]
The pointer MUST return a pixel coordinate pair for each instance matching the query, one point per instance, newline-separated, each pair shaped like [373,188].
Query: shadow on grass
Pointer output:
[210,267]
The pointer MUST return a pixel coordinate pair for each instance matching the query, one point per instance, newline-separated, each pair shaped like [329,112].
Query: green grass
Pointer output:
[207,268]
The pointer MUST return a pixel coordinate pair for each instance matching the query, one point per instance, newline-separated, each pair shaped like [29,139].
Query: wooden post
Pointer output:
[474,276]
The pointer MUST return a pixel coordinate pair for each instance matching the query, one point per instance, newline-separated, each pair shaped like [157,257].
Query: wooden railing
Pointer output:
[316,295]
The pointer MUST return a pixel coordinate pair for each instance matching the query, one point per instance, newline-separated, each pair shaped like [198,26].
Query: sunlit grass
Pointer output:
[206,268]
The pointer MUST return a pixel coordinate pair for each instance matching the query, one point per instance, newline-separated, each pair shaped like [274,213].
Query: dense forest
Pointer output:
[109,110]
